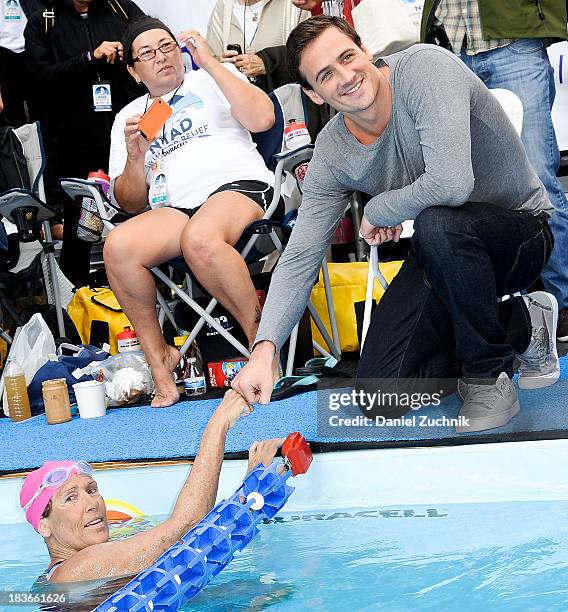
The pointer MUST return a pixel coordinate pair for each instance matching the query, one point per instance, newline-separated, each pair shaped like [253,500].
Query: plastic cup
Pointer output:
[91,399]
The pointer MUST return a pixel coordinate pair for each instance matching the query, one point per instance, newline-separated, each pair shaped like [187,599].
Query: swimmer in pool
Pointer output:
[63,504]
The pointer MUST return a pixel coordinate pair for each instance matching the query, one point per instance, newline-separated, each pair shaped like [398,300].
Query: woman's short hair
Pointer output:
[305,33]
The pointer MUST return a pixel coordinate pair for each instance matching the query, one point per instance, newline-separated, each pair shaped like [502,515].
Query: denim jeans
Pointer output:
[440,318]
[523,67]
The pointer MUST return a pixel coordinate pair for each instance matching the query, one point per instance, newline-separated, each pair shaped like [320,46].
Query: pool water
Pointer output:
[505,556]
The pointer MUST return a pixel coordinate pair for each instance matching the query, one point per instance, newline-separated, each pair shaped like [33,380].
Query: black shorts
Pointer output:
[258,191]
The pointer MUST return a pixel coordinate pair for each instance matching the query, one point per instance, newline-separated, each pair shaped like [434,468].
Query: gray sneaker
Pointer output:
[487,406]
[540,366]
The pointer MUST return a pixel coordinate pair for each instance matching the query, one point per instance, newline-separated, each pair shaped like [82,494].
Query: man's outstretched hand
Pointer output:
[256,380]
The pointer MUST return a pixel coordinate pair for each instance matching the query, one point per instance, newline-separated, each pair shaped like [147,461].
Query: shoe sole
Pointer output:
[538,382]
[485,423]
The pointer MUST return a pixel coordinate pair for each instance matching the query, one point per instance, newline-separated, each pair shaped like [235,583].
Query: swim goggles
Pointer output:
[58,476]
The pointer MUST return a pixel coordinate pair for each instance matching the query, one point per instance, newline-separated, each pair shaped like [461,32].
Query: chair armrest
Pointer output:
[288,160]
[17,198]
[77,188]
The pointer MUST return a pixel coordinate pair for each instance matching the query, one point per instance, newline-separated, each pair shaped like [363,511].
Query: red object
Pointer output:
[99,174]
[221,373]
[261,295]
[344,232]
[127,334]
[297,452]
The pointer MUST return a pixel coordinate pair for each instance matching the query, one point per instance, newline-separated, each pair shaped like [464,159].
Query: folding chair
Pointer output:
[27,206]
[258,240]
[513,107]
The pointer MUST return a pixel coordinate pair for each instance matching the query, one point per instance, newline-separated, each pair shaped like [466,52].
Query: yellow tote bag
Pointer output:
[92,305]
[348,286]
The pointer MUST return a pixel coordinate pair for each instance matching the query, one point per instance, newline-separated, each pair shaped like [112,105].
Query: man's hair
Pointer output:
[305,33]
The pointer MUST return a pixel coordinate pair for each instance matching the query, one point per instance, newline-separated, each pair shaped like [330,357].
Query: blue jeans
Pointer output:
[523,68]
[439,319]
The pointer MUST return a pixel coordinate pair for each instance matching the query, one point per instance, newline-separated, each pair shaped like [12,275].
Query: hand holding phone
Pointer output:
[154,119]
[236,48]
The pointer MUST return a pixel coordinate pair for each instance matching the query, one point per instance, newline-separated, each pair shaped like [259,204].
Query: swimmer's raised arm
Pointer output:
[195,500]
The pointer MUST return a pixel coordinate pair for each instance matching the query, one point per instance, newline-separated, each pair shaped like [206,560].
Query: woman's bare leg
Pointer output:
[130,251]
[207,245]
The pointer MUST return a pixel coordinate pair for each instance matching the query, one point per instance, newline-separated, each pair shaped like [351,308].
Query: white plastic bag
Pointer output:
[387,26]
[126,376]
[31,349]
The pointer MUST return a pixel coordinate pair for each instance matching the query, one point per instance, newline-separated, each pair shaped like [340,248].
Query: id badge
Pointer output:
[12,10]
[102,99]
[159,192]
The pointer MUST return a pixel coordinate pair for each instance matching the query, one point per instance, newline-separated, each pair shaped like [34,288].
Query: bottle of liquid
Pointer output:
[194,384]
[296,135]
[90,226]
[16,392]
[127,341]
[182,369]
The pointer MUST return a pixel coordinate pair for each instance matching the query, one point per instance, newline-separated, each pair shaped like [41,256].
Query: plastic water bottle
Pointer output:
[16,392]
[296,135]
[127,341]
[195,383]
[90,226]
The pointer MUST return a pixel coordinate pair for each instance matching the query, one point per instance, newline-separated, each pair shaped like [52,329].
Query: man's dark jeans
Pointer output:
[440,318]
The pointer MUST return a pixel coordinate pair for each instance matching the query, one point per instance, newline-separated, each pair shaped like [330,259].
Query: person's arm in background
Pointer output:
[323,204]
[43,65]
[195,500]
[215,30]
[276,71]
[241,95]
[314,6]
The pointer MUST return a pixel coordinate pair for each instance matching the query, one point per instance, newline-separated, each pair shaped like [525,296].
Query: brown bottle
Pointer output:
[16,392]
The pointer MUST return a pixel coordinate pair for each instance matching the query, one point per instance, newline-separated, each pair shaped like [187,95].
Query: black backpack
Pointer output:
[13,165]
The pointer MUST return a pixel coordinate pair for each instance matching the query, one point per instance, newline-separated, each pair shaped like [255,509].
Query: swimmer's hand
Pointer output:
[256,380]
[232,408]
[263,452]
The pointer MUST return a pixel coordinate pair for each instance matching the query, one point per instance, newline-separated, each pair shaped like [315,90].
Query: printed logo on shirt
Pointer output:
[184,125]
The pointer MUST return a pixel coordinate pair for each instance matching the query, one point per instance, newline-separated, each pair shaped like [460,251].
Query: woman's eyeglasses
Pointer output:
[150,54]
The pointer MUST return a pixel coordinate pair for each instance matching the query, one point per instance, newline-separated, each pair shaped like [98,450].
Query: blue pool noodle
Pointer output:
[188,566]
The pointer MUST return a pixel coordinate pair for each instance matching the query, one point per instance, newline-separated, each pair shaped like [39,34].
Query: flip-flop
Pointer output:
[287,386]
[322,366]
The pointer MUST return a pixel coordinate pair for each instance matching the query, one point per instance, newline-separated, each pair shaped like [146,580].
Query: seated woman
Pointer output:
[63,504]
[260,28]
[202,176]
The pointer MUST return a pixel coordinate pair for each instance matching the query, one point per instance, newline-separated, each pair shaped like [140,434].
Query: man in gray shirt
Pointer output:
[424,139]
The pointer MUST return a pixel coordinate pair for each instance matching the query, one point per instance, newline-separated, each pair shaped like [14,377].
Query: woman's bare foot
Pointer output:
[165,392]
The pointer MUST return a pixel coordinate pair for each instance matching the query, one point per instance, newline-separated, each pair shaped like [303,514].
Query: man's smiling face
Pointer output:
[339,72]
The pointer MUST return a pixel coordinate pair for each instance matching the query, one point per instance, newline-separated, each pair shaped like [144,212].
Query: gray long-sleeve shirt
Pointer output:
[448,142]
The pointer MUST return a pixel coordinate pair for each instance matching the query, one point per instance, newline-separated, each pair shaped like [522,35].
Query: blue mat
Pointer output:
[148,433]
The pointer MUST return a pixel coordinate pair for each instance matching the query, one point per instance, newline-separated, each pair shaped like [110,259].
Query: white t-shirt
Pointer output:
[201,148]
[12,23]
[248,18]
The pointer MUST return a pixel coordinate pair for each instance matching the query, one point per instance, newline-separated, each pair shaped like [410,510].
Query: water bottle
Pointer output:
[127,341]
[296,135]
[195,383]
[90,226]
[16,392]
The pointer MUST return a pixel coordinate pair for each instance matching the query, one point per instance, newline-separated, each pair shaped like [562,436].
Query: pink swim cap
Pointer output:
[33,482]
